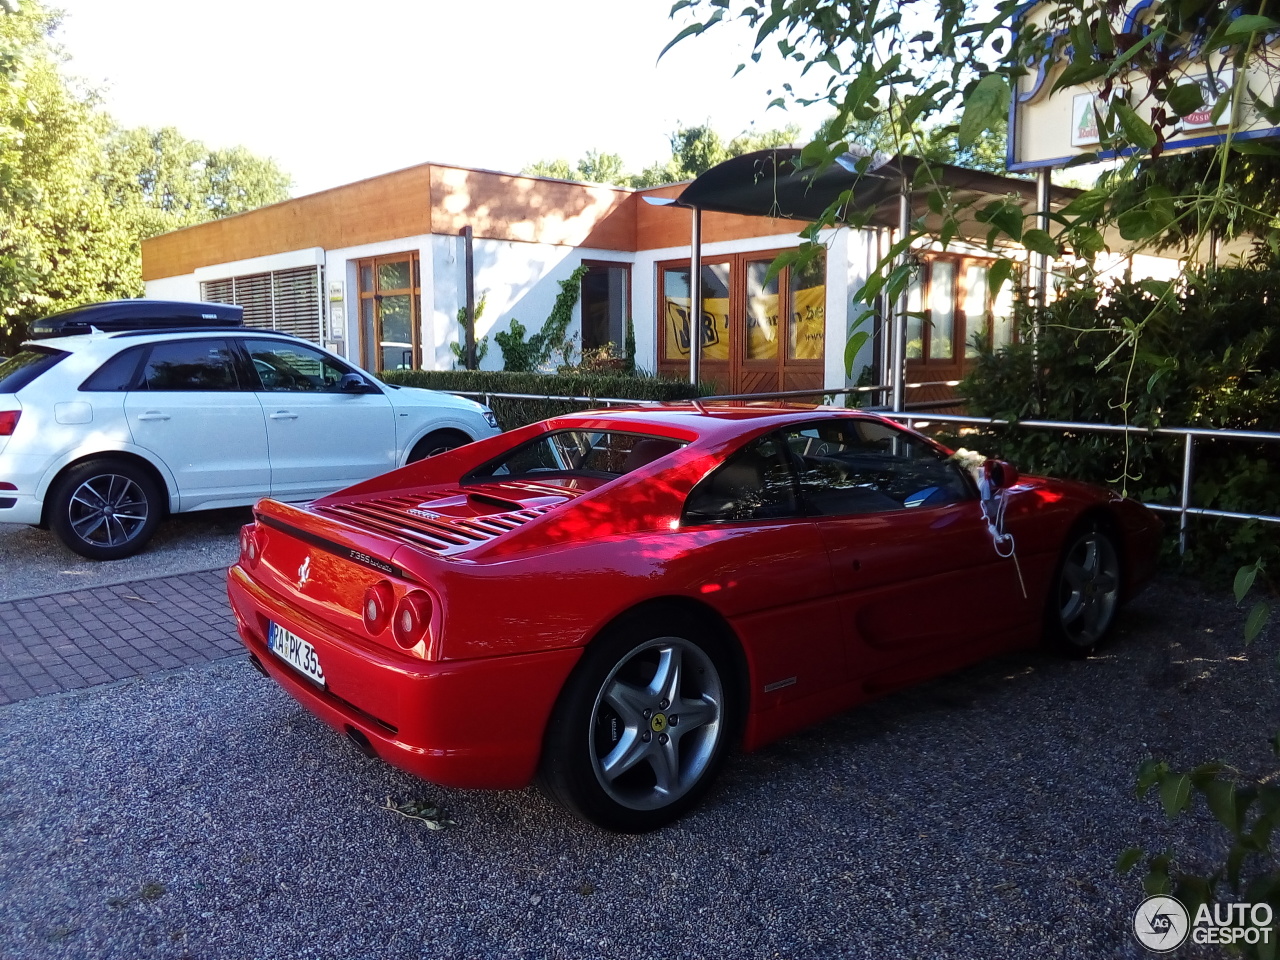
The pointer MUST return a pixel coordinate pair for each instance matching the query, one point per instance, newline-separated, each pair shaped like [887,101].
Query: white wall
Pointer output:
[185,287]
[519,280]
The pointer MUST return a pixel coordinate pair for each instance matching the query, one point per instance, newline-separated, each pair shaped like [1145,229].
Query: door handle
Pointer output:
[284,415]
[153,415]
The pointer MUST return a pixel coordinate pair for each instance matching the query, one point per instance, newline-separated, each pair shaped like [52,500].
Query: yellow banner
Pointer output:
[715,328]
[808,326]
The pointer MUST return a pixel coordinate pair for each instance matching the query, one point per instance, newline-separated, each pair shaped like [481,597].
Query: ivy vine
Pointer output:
[522,355]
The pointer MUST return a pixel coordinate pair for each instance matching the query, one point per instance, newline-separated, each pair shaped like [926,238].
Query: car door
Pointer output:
[190,409]
[763,564]
[320,436]
[921,586]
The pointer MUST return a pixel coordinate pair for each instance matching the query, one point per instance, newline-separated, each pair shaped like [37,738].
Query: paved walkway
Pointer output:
[68,641]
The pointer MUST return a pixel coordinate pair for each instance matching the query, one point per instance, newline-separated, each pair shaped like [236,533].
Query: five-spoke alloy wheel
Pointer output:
[1085,594]
[437,442]
[642,727]
[105,509]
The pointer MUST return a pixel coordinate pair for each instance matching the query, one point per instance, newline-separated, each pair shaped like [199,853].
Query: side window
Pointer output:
[293,368]
[190,365]
[851,467]
[756,483]
[118,373]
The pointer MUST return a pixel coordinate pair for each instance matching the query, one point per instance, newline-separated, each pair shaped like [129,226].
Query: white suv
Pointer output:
[102,433]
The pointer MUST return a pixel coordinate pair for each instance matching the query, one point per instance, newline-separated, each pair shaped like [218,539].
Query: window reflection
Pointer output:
[852,467]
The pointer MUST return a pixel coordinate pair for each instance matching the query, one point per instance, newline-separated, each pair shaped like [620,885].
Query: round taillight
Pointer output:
[378,602]
[413,616]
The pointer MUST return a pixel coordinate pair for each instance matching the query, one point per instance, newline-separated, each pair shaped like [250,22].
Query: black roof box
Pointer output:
[118,315]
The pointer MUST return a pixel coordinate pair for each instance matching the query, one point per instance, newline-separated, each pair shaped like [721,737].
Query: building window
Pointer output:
[759,333]
[390,312]
[950,311]
[606,304]
[284,300]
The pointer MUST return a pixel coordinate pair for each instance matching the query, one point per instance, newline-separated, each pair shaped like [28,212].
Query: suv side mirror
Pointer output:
[999,475]
[353,383]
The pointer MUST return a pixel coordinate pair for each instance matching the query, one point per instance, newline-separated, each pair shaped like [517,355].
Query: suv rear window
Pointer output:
[20,370]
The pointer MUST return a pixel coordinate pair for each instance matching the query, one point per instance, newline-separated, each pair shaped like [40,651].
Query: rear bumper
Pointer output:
[24,472]
[20,508]
[469,723]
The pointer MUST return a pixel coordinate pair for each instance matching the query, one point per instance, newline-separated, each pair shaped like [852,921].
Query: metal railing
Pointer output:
[1184,509]
[487,395]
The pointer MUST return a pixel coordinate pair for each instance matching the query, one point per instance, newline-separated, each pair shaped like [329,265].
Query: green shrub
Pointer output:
[517,413]
[520,355]
[1207,356]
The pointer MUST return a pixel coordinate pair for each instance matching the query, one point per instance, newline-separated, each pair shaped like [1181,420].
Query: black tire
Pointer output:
[641,729]
[436,442]
[1084,595]
[105,509]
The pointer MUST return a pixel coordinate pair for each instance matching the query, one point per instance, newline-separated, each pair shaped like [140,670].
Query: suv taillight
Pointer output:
[8,421]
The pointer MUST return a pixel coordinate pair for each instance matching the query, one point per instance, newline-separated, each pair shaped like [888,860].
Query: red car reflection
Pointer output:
[609,601]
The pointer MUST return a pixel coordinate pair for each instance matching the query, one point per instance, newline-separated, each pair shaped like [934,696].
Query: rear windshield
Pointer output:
[589,453]
[19,370]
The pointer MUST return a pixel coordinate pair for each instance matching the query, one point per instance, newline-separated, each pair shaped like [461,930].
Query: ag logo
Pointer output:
[1161,924]
[304,572]
[659,722]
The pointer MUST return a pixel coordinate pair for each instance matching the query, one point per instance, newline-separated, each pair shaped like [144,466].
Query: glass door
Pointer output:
[712,325]
[760,334]
[390,312]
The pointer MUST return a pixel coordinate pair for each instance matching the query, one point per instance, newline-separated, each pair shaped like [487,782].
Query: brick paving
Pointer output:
[68,641]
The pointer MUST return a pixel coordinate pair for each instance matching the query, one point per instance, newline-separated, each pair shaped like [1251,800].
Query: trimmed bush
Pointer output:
[517,413]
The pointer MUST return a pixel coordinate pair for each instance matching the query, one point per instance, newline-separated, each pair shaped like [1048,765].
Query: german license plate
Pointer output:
[295,651]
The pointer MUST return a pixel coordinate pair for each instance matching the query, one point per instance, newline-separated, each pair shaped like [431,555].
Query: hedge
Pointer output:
[1208,356]
[517,413]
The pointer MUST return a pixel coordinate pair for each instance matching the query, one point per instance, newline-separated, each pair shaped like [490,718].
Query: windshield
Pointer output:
[19,370]
[590,453]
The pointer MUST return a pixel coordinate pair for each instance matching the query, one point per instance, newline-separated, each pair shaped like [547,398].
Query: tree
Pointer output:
[694,150]
[949,63]
[951,67]
[937,144]
[78,194]
[169,182]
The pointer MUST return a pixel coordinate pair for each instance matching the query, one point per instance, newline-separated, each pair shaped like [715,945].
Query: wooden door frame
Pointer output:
[414,292]
[738,364]
[956,367]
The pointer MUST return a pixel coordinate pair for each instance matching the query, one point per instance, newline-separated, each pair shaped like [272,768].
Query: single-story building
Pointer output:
[375,270]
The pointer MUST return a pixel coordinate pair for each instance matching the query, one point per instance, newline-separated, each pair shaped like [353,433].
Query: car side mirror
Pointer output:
[353,383]
[998,475]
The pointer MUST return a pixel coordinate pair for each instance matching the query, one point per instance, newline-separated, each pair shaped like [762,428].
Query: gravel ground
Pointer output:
[201,813]
[34,564]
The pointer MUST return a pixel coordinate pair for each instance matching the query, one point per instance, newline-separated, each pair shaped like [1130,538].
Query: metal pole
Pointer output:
[695,299]
[898,376]
[1044,186]
[471,298]
[1186,496]
[884,333]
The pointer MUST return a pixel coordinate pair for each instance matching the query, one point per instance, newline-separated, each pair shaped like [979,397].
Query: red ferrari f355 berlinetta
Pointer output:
[609,601]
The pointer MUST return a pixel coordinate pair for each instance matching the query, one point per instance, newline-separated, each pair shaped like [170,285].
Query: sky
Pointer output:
[339,91]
